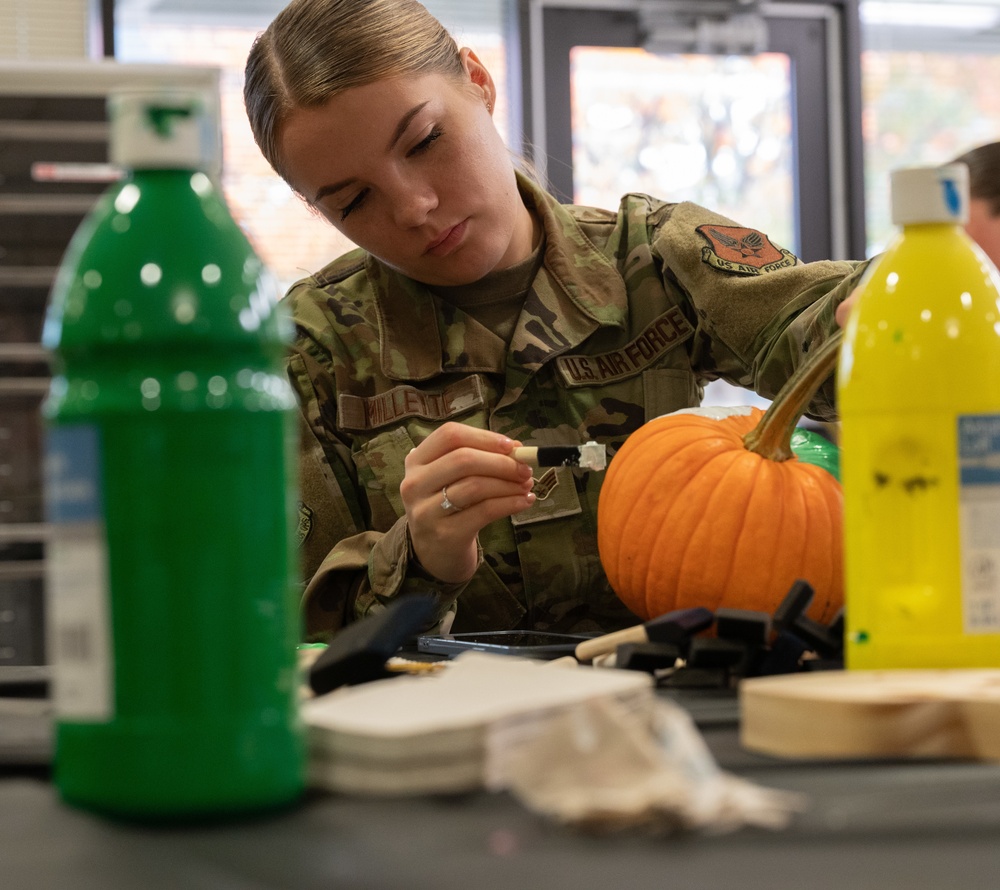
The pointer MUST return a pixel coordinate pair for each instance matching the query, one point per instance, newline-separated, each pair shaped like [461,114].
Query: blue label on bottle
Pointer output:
[72,474]
[979,449]
[979,511]
[78,625]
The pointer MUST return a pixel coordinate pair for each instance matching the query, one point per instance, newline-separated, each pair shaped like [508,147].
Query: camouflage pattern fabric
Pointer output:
[630,315]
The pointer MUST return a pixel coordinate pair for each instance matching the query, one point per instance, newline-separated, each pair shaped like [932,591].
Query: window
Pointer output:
[929,76]
[715,130]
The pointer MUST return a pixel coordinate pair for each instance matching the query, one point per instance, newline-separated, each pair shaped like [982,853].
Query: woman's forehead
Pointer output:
[356,123]
[372,108]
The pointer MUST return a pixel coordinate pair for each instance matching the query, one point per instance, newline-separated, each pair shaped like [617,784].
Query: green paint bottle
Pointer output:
[170,488]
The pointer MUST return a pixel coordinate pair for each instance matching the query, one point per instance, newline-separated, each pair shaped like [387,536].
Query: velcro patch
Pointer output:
[662,335]
[305,522]
[742,251]
[358,413]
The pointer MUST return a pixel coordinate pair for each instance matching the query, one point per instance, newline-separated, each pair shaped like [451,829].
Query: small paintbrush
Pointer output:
[589,456]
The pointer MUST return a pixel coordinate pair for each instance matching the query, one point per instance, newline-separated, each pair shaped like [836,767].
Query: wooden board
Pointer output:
[859,714]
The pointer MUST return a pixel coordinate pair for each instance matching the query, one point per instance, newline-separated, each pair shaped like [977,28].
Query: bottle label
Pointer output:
[79,624]
[979,508]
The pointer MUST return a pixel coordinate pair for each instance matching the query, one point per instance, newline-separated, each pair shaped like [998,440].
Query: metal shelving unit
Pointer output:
[53,165]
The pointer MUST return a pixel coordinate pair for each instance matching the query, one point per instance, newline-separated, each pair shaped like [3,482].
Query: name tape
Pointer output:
[659,337]
[360,413]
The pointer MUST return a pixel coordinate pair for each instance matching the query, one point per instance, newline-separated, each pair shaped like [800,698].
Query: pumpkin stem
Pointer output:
[772,437]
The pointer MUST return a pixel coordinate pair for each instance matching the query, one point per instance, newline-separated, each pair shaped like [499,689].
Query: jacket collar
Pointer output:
[577,290]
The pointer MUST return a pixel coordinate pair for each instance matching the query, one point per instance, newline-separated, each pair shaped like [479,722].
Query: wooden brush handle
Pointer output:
[590,649]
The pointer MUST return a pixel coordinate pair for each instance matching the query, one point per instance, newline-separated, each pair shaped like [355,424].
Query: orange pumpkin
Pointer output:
[701,509]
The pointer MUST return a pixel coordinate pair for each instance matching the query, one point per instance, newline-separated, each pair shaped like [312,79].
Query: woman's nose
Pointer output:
[412,202]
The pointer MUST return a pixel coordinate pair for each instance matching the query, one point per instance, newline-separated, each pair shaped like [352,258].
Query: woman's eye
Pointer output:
[426,143]
[354,205]
[421,146]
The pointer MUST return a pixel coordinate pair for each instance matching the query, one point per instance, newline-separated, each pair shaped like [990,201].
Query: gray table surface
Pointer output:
[898,824]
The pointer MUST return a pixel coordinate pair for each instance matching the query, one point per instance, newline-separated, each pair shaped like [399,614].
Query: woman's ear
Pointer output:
[479,76]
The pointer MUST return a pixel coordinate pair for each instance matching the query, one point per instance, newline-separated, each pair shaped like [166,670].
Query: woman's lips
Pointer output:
[448,240]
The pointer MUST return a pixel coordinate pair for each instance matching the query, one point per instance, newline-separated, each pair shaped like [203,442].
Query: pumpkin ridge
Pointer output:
[673,504]
[808,527]
[812,552]
[825,527]
[672,543]
[790,544]
[660,578]
[611,528]
[824,542]
[834,501]
[631,491]
[703,533]
[730,568]
[817,529]
[745,552]
[719,533]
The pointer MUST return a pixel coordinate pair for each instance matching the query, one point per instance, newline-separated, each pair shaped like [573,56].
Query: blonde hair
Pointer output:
[314,49]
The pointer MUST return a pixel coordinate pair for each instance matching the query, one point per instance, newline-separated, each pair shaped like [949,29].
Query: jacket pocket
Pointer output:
[379,461]
[665,390]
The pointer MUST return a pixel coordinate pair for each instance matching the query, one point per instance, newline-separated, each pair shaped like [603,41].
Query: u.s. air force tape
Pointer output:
[659,337]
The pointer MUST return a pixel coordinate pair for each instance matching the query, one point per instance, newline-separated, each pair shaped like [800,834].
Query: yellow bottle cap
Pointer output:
[930,194]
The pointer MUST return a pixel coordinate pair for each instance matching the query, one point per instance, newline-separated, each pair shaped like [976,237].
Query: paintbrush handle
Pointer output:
[590,649]
[548,456]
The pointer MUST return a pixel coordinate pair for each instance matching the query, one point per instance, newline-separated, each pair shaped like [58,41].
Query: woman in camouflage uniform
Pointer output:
[478,313]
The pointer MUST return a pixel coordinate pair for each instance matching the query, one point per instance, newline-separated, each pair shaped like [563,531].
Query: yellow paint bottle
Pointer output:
[919,399]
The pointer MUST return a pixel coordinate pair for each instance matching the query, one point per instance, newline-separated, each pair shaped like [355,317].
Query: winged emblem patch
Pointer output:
[742,251]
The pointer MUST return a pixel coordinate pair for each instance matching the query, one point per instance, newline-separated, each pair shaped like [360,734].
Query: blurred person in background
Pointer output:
[984,197]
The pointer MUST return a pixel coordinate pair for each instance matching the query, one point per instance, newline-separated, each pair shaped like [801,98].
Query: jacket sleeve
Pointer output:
[755,321]
[349,569]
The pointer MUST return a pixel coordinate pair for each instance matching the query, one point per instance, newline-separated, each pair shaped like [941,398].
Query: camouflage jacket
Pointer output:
[629,316]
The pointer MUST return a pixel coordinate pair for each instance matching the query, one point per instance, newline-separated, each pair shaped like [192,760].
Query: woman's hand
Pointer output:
[458,480]
[844,309]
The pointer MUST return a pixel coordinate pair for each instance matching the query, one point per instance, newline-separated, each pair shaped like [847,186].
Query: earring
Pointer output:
[489,107]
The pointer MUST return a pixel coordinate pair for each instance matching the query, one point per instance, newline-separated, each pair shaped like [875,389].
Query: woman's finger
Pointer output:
[844,309]
[453,436]
[469,492]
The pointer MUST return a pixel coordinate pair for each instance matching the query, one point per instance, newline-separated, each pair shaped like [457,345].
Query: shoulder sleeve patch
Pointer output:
[742,251]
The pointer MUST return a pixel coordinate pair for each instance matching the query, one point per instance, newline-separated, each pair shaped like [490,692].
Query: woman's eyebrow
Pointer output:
[404,122]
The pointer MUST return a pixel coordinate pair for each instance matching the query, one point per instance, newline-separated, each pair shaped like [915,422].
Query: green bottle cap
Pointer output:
[165,130]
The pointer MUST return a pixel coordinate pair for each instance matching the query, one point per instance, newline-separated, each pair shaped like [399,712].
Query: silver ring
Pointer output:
[447,505]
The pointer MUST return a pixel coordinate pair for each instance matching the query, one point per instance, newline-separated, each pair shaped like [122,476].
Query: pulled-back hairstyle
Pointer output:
[314,49]
[984,174]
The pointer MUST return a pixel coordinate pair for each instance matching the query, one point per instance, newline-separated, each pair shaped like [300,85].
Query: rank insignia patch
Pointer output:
[742,251]
[305,522]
